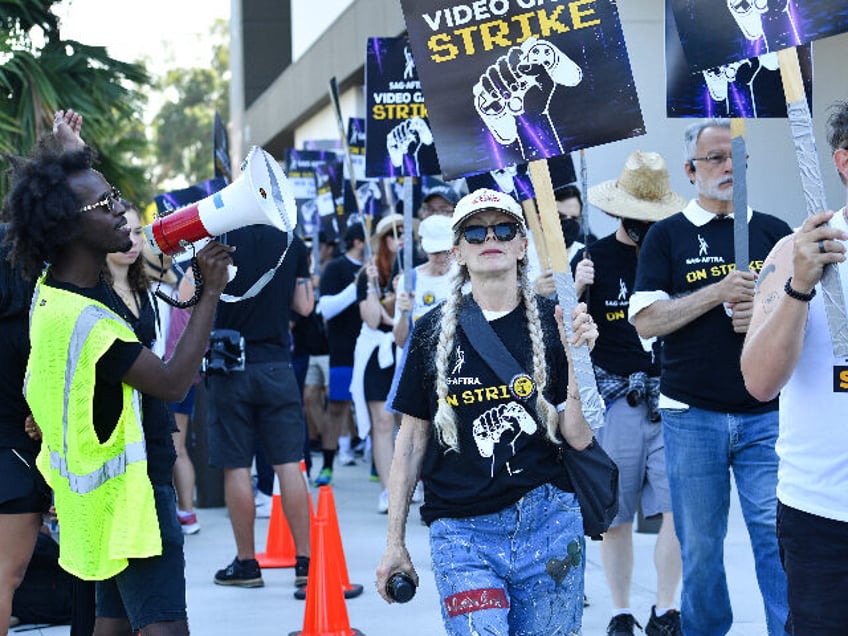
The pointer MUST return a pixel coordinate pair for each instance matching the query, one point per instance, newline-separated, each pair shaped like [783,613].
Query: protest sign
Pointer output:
[749,88]
[511,81]
[315,177]
[176,199]
[515,180]
[399,141]
[368,190]
[721,32]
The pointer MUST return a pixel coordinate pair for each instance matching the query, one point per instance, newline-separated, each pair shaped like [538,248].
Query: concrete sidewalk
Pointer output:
[272,611]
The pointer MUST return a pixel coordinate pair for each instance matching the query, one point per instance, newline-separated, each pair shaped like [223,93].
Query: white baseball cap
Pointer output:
[486,199]
[436,234]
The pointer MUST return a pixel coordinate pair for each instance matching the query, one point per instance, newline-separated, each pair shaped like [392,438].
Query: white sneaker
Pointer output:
[383,502]
[347,458]
[418,493]
[263,504]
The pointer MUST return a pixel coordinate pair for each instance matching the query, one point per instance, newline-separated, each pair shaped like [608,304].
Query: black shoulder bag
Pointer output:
[593,474]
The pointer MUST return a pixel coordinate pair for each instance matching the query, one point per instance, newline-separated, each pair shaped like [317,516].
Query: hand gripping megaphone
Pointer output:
[260,196]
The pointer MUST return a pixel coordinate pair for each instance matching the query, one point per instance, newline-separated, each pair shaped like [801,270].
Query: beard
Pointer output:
[711,188]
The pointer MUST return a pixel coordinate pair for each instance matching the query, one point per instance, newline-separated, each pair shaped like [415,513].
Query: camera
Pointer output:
[225,353]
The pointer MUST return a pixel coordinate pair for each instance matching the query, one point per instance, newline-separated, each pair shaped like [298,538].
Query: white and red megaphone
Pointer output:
[260,196]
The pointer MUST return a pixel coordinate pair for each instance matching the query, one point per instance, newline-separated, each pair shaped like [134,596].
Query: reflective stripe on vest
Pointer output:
[136,452]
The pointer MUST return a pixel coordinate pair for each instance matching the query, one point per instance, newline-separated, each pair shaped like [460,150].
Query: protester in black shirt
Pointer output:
[495,496]
[65,213]
[261,401]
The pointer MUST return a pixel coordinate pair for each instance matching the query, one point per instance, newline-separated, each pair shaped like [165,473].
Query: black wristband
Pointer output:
[805,298]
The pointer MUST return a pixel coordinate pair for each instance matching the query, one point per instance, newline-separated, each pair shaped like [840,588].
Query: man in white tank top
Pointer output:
[789,350]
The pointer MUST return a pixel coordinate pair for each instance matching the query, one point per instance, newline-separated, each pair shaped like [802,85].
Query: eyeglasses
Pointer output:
[476,234]
[110,201]
[715,159]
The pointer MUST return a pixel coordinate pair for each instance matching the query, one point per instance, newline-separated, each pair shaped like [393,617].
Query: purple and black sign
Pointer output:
[399,141]
[511,81]
[515,180]
[720,32]
[750,88]
[315,177]
[175,199]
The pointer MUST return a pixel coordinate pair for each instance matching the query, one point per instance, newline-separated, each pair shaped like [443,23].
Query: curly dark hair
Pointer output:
[41,206]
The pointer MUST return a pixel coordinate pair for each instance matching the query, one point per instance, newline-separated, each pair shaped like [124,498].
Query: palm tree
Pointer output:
[39,75]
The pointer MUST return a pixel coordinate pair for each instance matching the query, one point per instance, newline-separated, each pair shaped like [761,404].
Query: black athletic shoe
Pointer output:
[301,571]
[622,625]
[240,573]
[666,625]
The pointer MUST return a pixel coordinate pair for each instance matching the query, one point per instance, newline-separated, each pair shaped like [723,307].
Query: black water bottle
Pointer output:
[400,587]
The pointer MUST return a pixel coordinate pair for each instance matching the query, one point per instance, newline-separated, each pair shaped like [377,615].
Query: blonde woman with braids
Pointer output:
[506,534]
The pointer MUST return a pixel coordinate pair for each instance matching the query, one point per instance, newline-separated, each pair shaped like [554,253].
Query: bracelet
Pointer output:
[572,396]
[805,298]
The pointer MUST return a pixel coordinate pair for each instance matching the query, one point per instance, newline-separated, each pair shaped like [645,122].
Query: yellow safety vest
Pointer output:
[103,496]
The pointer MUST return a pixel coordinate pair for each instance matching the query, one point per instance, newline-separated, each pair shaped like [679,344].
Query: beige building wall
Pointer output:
[296,108]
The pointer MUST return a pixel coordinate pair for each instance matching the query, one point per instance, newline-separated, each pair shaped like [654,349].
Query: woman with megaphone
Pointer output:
[109,464]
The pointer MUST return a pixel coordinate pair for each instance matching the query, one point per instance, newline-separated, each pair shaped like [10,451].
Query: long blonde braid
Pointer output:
[445,419]
[546,411]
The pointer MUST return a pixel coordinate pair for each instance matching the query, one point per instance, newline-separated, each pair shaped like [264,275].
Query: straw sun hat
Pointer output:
[642,192]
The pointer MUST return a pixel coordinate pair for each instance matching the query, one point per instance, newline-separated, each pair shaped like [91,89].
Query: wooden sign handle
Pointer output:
[532,216]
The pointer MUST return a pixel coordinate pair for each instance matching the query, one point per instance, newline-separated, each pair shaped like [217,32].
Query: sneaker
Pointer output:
[347,458]
[418,493]
[188,522]
[666,625]
[359,445]
[622,625]
[241,573]
[325,477]
[383,502]
[301,571]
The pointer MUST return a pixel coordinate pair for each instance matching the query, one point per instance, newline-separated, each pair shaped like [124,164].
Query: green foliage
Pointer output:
[183,126]
[38,79]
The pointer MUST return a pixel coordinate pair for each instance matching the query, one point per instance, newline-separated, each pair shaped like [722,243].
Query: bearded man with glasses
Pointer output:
[506,532]
[689,293]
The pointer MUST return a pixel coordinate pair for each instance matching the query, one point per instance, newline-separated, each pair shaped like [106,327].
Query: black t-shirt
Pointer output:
[156,418]
[309,335]
[343,328]
[362,294]
[15,295]
[700,361]
[503,452]
[618,349]
[263,320]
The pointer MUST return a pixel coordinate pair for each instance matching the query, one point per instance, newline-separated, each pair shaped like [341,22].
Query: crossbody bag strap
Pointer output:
[495,354]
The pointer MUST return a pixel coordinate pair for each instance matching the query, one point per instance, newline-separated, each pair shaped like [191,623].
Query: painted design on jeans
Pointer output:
[557,569]
[475,600]
[491,425]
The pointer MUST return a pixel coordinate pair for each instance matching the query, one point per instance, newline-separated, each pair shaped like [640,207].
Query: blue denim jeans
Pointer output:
[700,449]
[518,571]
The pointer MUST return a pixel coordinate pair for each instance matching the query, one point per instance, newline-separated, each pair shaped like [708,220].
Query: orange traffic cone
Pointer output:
[325,613]
[327,507]
[335,551]
[279,546]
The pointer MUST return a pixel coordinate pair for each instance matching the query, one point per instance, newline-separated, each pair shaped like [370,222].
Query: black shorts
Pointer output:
[22,489]
[377,381]
[262,401]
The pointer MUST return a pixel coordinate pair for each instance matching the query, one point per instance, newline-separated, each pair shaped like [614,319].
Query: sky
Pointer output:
[167,33]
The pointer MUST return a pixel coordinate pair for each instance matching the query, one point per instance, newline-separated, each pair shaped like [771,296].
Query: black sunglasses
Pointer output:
[476,234]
